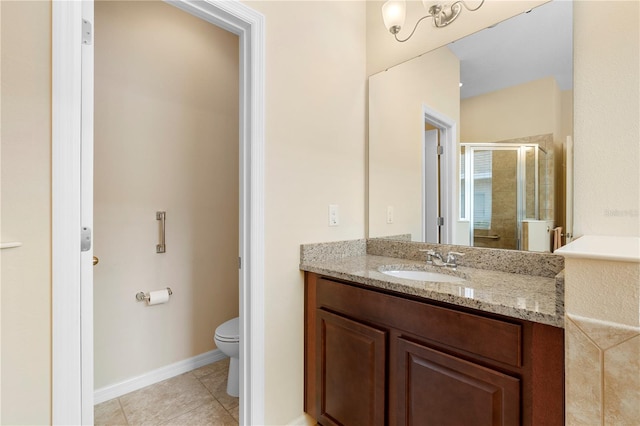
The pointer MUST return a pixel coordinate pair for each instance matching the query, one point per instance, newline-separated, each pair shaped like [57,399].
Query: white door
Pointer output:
[72,296]
[86,208]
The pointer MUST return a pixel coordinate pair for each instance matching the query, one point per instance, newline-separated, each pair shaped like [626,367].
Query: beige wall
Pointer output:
[26,212]
[607,107]
[528,109]
[166,138]
[315,91]
[566,113]
[314,75]
[396,127]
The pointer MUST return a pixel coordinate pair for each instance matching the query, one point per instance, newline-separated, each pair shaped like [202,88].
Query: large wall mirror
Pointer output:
[469,143]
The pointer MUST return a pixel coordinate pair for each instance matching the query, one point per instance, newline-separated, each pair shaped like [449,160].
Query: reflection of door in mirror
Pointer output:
[431,185]
[438,142]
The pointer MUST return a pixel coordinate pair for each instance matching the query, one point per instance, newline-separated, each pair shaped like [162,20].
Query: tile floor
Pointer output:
[198,397]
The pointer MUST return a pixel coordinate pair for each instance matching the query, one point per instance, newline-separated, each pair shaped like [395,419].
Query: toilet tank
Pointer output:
[537,235]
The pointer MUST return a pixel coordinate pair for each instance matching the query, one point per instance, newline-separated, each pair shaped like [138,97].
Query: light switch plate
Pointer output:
[334,217]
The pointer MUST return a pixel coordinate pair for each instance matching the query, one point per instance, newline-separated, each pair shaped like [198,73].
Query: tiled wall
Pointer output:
[602,372]
[602,337]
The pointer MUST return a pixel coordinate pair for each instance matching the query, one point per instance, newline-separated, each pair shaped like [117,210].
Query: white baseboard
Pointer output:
[118,389]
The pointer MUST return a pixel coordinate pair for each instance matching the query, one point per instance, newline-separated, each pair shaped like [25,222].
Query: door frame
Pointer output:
[448,168]
[568,195]
[72,157]
[431,187]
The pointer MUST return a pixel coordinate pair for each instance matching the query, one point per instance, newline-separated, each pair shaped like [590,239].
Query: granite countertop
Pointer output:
[530,297]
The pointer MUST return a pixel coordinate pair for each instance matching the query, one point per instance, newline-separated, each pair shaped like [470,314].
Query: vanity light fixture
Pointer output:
[394,12]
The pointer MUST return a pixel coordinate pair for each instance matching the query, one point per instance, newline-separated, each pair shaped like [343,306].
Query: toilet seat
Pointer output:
[228,331]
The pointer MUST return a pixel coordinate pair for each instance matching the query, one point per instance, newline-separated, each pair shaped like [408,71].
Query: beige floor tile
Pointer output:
[165,400]
[208,414]
[216,383]
[109,414]
[211,368]
[235,412]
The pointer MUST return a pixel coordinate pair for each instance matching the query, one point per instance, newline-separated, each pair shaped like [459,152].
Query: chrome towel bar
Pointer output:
[12,244]
[161,216]
[488,237]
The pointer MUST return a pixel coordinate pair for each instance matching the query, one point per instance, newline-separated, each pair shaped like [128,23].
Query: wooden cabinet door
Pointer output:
[434,388]
[350,380]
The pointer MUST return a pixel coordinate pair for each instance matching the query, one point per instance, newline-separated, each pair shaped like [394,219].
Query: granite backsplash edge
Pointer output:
[512,261]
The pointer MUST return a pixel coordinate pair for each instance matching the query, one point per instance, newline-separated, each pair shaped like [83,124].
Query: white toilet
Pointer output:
[227,339]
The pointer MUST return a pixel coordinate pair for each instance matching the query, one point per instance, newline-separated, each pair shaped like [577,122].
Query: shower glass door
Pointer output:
[494,192]
[500,187]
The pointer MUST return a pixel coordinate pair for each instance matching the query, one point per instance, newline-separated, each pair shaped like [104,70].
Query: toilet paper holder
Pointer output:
[140,296]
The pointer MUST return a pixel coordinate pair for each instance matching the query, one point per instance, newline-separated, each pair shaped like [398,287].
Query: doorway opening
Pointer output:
[166,140]
[72,194]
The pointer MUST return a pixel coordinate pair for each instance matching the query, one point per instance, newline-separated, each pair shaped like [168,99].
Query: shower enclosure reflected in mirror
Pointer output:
[505,85]
[505,194]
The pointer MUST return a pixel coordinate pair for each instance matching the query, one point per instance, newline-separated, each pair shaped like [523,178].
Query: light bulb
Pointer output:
[393,14]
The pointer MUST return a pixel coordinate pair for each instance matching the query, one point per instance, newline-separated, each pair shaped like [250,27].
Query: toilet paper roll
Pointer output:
[158,296]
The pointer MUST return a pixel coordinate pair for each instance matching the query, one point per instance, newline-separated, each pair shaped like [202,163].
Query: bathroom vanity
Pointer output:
[383,350]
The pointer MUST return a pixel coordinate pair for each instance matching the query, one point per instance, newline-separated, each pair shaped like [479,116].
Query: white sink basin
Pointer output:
[423,276]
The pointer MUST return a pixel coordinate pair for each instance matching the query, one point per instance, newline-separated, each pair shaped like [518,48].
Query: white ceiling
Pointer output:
[524,48]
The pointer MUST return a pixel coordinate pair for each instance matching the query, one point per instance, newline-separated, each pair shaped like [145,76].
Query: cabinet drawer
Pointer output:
[477,335]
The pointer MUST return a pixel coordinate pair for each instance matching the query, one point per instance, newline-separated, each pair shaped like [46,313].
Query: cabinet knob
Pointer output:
[95,260]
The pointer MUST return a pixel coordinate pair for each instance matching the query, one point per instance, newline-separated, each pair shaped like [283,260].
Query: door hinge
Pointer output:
[87,33]
[239,263]
[85,239]
[440,150]
[440,220]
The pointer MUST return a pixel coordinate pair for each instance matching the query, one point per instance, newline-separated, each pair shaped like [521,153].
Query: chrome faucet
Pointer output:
[452,259]
[436,258]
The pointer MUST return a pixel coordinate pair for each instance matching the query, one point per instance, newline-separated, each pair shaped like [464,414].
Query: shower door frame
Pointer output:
[521,179]
[72,204]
